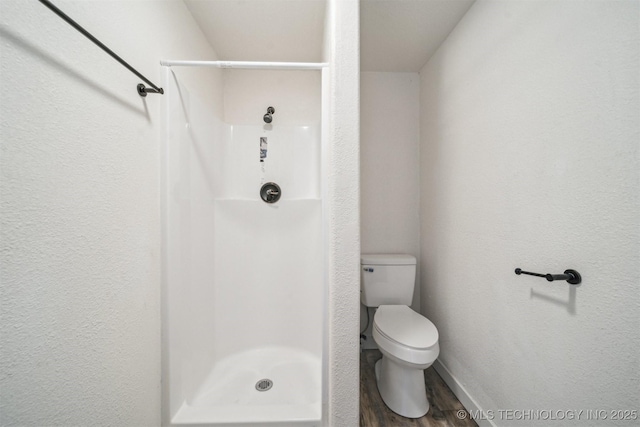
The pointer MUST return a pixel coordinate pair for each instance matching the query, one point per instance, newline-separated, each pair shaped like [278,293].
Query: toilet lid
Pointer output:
[404,326]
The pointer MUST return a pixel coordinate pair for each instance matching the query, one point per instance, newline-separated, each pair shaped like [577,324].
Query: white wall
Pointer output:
[529,156]
[80,305]
[390,168]
[341,189]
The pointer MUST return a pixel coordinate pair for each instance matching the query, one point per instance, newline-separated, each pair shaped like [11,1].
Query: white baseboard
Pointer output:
[461,393]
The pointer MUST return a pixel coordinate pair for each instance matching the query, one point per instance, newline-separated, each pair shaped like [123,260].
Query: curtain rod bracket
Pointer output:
[143,90]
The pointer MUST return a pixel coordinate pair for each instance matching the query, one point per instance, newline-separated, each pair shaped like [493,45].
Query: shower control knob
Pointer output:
[270,192]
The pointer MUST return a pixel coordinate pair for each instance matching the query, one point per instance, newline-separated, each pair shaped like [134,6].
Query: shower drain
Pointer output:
[264,384]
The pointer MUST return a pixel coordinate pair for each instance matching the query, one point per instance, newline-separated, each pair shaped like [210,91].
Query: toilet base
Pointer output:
[402,388]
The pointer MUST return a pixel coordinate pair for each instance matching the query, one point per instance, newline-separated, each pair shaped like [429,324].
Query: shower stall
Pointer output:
[244,291]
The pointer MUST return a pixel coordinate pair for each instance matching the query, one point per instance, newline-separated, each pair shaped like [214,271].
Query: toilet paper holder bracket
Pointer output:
[571,276]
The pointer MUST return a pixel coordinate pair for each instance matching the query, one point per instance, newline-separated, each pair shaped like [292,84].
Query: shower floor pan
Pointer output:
[235,392]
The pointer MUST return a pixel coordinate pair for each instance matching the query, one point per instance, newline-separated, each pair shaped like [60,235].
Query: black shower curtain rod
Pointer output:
[142,90]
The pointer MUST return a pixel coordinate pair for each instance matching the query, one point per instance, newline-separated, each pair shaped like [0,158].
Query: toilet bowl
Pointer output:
[409,344]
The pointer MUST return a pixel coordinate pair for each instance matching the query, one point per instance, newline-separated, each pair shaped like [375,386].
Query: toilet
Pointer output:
[408,341]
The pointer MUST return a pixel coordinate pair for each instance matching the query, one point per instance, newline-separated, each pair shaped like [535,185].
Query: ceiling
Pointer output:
[395,35]
[262,30]
[401,35]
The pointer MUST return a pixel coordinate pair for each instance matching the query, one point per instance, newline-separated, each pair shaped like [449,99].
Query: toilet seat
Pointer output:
[406,327]
[405,335]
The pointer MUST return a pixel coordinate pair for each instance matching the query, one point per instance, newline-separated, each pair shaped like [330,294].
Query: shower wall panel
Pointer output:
[188,210]
[268,275]
[293,162]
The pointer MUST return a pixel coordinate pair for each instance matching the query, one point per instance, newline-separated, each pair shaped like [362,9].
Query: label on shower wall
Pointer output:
[263,148]
[263,155]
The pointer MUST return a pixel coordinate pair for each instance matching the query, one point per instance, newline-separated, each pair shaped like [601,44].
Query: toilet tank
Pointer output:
[387,279]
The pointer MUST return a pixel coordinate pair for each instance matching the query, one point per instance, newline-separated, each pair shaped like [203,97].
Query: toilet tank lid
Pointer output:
[387,259]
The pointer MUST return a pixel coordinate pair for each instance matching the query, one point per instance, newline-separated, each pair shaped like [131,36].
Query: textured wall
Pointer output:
[389,162]
[529,155]
[341,189]
[390,168]
[79,206]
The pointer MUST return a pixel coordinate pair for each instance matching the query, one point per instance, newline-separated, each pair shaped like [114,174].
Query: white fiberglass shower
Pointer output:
[244,291]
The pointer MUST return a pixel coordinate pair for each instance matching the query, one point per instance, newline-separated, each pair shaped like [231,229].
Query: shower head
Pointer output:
[267,117]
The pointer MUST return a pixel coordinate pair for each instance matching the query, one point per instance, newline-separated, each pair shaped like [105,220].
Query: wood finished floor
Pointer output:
[374,413]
